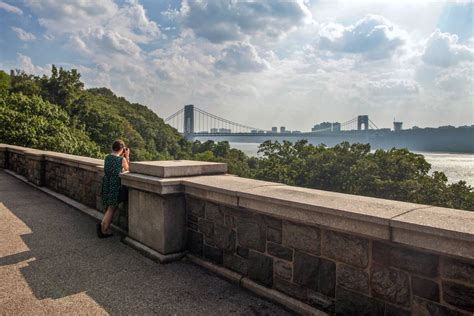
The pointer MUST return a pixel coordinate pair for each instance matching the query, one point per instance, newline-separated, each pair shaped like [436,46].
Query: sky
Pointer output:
[260,63]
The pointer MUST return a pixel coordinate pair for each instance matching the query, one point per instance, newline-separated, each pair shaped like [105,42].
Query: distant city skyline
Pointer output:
[270,63]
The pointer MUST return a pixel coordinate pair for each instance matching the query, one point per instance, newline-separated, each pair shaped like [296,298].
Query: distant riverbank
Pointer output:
[455,166]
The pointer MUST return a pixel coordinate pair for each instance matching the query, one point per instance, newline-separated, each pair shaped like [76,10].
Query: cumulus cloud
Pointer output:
[76,16]
[71,16]
[456,81]
[10,8]
[25,64]
[105,41]
[23,35]
[373,37]
[241,57]
[221,20]
[393,87]
[443,50]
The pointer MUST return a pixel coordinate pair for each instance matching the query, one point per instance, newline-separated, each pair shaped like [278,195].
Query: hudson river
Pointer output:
[455,166]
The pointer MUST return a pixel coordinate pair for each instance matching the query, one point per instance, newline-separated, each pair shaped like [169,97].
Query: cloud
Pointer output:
[25,64]
[23,35]
[443,50]
[131,21]
[456,81]
[72,16]
[9,8]
[393,87]
[373,37]
[241,57]
[220,20]
[105,42]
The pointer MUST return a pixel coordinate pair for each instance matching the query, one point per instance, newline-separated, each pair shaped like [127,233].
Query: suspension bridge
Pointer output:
[194,122]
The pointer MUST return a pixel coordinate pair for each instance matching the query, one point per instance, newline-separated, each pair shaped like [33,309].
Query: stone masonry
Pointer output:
[337,272]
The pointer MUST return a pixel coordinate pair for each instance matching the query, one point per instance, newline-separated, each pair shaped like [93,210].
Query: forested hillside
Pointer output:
[56,113]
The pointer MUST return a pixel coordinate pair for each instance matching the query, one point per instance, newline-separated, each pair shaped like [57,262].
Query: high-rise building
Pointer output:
[282,129]
[336,127]
[274,129]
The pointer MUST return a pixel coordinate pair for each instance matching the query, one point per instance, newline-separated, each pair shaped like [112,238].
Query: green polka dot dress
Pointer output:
[111,181]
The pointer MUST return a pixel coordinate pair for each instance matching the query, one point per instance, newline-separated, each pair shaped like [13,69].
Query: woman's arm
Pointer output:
[125,160]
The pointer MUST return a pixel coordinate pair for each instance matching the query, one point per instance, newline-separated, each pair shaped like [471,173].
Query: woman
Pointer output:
[114,164]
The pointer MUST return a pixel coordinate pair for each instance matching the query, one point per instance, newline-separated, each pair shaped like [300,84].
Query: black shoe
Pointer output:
[99,230]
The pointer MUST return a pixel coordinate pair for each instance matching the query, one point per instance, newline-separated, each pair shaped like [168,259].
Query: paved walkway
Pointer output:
[52,263]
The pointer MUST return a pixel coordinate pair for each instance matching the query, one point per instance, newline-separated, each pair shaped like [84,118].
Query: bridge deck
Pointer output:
[52,262]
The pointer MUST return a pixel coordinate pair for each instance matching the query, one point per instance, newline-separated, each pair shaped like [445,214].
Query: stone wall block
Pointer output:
[274,235]
[290,288]
[214,213]
[327,277]
[392,310]
[302,237]
[425,288]
[243,252]
[391,285]
[406,259]
[260,268]
[195,206]
[224,238]
[235,263]
[194,242]
[353,303]
[423,307]
[352,278]
[459,295]
[212,253]
[251,235]
[320,301]
[229,221]
[270,221]
[206,227]
[306,270]
[283,269]
[457,270]
[346,248]
[280,251]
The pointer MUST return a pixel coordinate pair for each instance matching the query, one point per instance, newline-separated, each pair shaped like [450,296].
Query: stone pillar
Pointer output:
[156,206]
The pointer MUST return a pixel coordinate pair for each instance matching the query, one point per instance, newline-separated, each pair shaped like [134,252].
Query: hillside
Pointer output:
[57,113]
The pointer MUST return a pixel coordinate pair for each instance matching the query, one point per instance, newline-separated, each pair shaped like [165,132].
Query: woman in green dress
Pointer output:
[114,164]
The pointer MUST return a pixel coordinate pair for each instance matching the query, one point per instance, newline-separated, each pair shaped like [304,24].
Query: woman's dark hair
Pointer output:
[118,145]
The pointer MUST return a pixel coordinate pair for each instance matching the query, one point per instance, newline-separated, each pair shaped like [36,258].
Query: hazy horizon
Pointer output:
[267,63]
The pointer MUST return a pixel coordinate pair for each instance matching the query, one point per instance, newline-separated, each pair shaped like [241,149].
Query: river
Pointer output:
[455,166]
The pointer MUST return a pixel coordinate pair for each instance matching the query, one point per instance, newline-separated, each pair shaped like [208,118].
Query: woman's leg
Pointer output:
[109,214]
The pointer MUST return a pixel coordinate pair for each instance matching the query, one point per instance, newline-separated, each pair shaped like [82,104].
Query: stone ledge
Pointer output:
[152,184]
[177,168]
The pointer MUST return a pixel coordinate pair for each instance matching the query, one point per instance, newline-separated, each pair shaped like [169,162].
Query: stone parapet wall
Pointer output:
[337,272]
[336,252]
[76,177]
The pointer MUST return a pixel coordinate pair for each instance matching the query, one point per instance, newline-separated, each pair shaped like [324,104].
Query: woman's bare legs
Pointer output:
[109,214]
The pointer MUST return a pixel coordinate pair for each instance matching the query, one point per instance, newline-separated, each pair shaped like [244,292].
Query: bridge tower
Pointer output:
[189,121]
[362,120]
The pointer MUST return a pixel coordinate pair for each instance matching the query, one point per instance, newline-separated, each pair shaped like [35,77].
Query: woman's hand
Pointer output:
[126,153]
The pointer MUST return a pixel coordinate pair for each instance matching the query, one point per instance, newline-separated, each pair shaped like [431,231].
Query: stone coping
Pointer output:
[152,184]
[86,163]
[177,168]
[442,230]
